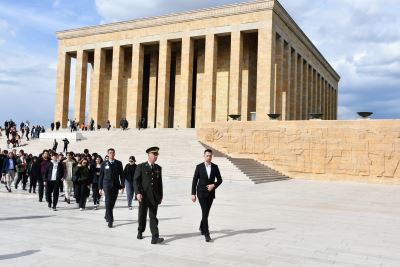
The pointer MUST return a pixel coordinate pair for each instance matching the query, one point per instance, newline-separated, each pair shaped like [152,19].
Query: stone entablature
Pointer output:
[361,150]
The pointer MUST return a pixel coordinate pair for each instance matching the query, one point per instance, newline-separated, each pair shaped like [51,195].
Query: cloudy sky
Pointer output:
[360,40]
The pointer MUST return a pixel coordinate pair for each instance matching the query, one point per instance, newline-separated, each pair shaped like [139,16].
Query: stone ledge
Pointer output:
[221,11]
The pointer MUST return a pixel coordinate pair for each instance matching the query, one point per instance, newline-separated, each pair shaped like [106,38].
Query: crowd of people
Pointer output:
[26,131]
[81,175]
[76,175]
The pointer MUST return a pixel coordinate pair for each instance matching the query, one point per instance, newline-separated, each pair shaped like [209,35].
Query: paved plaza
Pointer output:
[289,223]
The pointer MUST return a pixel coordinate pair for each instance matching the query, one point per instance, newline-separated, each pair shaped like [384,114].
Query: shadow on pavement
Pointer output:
[226,233]
[25,218]
[18,255]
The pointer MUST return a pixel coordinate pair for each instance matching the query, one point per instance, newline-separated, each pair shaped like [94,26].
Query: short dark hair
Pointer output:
[208,151]
[110,149]
[86,151]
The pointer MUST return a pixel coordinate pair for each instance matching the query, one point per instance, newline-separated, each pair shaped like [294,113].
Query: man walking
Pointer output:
[204,181]
[53,178]
[111,180]
[149,192]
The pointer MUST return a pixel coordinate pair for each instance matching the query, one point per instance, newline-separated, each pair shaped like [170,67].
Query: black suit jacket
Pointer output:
[49,172]
[111,175]
[148,182]
[201,180]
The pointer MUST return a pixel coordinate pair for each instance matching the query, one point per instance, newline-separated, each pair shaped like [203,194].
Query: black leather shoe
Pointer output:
[157,240]
[68,201]
[110,224]
[208,238]
[139,235]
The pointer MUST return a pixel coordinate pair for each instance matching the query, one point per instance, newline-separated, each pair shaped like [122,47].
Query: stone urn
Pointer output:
[316,116]
[274,116]
[365,114]
[234,117]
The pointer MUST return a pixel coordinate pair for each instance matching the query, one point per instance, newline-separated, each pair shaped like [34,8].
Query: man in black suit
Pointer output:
[204,182]
[111,180]
[53,176]
[149,192]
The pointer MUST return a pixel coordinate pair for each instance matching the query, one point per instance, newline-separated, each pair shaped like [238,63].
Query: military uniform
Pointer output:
[148,183]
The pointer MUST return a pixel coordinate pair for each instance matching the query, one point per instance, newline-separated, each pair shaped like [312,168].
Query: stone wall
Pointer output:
[361,150]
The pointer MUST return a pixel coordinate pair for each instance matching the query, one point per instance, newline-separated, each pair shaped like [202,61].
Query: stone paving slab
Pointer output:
[288,223]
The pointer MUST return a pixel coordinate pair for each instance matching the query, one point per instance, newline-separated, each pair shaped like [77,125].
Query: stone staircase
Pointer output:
[254,170]
[180,152]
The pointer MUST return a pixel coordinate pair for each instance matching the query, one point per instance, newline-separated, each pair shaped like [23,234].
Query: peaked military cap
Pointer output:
[153,150]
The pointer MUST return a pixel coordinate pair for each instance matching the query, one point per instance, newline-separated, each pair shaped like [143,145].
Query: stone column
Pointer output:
[115,103]
[152,105]
[235,73]
[183,93]
[99,66]
[310,91]
[314,91]
[62,88]
[323,93]
[279,47]
[80,86]
[286,82]
[293,86]
[135,86]
[305,91]
[299,93]
[164,69]
[208,104]
[329,106]
[336,103]
[265,73]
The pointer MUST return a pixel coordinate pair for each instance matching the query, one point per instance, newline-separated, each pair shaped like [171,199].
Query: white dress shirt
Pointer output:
[208,169]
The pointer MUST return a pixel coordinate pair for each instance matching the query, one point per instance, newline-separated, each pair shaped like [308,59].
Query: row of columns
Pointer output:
[286,83]
[299,89]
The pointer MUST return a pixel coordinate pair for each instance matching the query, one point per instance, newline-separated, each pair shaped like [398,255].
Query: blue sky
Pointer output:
[361,41]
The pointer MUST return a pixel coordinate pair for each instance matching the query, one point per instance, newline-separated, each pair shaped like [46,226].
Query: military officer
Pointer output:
[111,180]
[149,193]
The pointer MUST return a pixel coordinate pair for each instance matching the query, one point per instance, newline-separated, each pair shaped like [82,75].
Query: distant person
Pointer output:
[9,170]
[58,124]
[55,145]
[129,173]
[66,143]
[95,181]
[206,179]
[83,180]
[52,126]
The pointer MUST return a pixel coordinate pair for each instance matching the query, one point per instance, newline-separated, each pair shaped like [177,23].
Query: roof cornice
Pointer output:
[206,13]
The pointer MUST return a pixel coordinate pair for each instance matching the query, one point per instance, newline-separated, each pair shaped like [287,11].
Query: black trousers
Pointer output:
[41,188]
[111,194]
[96,195]
[52,192]
[83,192]
[21,176]
[205,204]
[65,149]
[32,183]
[145,206]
